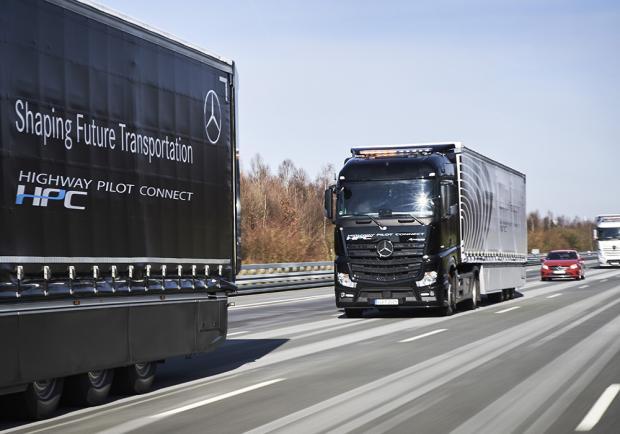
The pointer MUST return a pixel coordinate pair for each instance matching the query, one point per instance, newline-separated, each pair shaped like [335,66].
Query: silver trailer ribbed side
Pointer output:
[493,219]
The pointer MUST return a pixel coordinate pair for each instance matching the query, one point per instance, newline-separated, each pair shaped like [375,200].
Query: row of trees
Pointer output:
[282,214]
[549,232]
[282,218]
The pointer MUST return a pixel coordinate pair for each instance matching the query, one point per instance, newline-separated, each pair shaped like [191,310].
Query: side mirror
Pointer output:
[594,235]
[329,202]
[449,207]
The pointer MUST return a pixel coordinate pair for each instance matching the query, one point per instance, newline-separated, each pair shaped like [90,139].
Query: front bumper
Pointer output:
[567,274]
[390,297]
[608,261]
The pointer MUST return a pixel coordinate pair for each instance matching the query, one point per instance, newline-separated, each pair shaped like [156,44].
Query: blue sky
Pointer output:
[533,84]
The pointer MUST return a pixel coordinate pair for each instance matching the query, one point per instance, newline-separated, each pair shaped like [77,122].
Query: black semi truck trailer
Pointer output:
[119,238]
[428,225]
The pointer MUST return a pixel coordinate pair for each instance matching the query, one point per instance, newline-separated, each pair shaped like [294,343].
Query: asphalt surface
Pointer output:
[547,361]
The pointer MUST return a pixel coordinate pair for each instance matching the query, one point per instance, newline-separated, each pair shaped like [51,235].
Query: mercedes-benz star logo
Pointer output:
[385,249]
[213,117]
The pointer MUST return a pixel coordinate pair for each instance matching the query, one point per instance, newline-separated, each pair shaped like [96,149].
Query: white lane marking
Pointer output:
[508,310]
[599,408]
[215,399]
[583,286]
[554,295]
[415,338]
[603,280]
[236,333]
[283,301]
[141,422]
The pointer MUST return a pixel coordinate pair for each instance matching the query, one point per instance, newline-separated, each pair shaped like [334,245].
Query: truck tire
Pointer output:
[135,379]
[353,313]
[453,280]
[41,398]
[89,389]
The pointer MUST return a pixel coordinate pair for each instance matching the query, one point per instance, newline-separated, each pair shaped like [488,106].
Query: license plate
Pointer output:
[386,302]
[559,272]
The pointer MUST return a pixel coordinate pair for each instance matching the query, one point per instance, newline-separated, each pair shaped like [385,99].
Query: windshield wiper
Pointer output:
[412,216]
[371,219]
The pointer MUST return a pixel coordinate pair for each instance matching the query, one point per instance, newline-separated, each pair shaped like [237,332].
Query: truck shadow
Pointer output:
[232,355]
[176,370]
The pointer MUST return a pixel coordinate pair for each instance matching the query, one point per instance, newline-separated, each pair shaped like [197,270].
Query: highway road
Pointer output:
[547,361]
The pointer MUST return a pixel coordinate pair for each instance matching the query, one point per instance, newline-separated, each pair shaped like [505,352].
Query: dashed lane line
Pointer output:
[599,408]
[509,309]
[148,420]
[415,338]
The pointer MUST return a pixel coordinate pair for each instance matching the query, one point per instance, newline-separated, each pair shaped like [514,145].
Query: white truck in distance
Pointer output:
[607,237]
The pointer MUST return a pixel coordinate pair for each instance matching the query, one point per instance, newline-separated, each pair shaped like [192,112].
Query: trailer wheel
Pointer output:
[495,297]
[353,313]
[91,388]
[41,398]
[135,379]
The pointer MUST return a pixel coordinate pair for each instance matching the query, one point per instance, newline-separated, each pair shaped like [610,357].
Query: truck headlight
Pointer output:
[345,280]
[429,278]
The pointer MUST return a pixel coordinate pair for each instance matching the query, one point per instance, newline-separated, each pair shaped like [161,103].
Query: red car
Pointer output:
[562,264]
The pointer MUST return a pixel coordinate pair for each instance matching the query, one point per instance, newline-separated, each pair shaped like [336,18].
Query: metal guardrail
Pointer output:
[285,276]
[257,278]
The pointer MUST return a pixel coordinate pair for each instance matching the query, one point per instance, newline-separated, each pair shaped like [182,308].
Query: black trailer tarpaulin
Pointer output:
[115,146]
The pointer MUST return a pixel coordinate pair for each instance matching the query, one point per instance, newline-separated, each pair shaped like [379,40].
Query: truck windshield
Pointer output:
[608,233]
[379,198]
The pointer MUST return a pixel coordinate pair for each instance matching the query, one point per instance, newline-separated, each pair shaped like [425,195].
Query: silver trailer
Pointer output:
[493,220]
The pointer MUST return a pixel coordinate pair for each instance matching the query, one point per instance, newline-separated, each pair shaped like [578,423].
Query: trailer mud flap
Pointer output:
[9,362]
[212,321]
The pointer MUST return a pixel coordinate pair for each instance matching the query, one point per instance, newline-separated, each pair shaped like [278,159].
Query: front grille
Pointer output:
[405,263]
[611,252]
[558,268]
